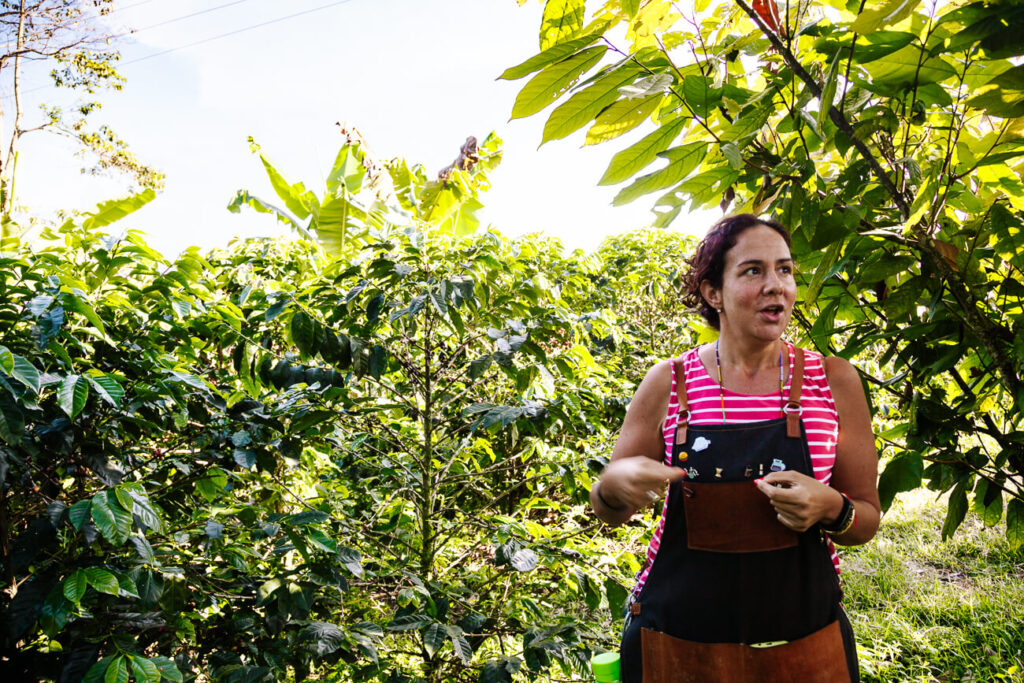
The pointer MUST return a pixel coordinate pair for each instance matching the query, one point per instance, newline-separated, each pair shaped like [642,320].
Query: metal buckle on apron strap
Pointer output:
[793,410]
[681,424]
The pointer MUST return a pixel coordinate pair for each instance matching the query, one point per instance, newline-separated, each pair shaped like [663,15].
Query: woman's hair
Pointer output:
[708,262]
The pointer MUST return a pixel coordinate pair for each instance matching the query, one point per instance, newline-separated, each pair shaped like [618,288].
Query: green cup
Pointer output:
[606,667]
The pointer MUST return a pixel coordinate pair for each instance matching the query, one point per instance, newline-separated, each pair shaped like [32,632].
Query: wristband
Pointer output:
[846,519]
[605,502]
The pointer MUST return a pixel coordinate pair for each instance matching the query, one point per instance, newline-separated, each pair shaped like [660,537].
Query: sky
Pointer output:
[415,77]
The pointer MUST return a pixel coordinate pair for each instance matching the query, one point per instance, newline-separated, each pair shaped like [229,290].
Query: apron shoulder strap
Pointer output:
[792,408]
[679,382]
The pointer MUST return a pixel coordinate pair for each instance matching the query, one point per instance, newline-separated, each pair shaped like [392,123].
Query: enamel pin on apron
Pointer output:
[700,444]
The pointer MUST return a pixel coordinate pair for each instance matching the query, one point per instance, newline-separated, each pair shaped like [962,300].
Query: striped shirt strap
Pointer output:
[792,408]
[679,381]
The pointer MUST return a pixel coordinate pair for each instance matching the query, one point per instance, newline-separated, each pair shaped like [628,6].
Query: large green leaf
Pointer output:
[26,373]
[106,386]
[682,161]
[1002,96]
[6,360]
[890,12]
[145,670]
[556,53]
[101,580]
[116,209]
[562,21]
[72,395]
[622,117]
[1015,523]
[75,585]
[295,196]
[548,85]
[957,509]
[639,155]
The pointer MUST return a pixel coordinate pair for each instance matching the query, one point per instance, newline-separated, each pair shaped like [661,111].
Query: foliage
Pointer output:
[66,35]
[890,139]
[925,608]
[273,462]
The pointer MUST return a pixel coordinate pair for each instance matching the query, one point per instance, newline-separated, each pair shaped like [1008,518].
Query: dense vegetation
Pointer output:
[888,136]
[364,454]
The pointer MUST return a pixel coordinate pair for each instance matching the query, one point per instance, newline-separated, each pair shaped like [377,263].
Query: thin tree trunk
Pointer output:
[9,164]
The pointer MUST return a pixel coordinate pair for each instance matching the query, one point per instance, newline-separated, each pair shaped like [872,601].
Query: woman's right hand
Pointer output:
[636,481]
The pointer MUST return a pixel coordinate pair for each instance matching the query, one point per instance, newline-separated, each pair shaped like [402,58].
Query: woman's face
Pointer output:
[758,288]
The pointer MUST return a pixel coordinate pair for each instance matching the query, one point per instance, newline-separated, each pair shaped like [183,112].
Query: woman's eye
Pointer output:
[752,270]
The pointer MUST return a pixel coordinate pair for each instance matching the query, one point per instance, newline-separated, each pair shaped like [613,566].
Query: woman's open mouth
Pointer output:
[772,312]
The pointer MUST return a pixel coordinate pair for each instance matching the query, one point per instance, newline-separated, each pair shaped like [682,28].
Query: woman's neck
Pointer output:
[749,356]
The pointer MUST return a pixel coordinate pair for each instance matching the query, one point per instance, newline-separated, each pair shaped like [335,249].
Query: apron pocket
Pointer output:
[732,517]
[817,658]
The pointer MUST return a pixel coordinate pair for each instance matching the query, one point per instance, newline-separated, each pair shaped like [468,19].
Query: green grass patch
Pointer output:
[925,609]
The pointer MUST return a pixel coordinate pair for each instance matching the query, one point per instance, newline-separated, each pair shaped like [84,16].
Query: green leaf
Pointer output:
[6,360]
[243,198]
[76,304]
[682,161]
[903,473]
[74,586]
[553,54]
[145,670]
[97,670]
[26,373]
[822,271]
[828,91]
[325,637]
[79,513]
[1002,96]
[103,517]
[524,560]
[72,395]
[562,21]
[168,669]
[907,67]
[957,509]
[617,596]
[585,105]
[622,117]
[462,648]
[409,622]
[101,580]
[548,85]
[889,13]
[639,155]
[213,484]
[117,672]
[106,386]
[1015,523]
[307,333]
[116,209]
[295,197]
[434,638]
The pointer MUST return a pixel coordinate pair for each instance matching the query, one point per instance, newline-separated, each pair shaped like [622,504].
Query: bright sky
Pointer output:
[415,77]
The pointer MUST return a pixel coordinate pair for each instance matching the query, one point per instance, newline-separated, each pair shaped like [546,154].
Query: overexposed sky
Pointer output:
[416,77]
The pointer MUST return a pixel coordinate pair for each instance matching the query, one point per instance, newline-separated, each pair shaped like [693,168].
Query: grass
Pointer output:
[925,609]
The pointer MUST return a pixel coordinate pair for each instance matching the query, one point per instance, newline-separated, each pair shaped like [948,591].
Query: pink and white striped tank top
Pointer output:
[820,418]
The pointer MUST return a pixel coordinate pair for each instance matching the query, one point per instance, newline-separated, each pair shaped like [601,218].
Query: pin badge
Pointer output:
[778,465]
[760,469]
[683,456]
[747,471]
[692,473]
[718,473]
[700,444]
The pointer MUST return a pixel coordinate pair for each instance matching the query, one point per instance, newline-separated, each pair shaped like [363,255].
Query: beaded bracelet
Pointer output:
[604,502]
[846,519]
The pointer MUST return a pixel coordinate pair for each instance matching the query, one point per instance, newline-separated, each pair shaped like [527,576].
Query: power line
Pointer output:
[204,40]
[236,32]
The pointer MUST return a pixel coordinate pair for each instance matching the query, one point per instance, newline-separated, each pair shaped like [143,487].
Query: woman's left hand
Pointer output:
[800,501]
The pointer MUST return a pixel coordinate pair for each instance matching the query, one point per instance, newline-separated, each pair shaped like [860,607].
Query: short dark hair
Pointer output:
[708,262]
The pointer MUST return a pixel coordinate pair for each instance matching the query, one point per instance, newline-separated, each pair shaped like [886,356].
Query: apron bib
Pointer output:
[729,575]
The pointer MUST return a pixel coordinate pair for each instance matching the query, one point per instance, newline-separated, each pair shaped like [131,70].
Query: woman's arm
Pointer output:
[855,472]
[802,501]
[636,476]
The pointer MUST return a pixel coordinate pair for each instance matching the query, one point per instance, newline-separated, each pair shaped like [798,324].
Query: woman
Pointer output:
[768,456]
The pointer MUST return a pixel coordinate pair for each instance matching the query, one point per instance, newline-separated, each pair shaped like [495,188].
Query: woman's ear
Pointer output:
[711,294]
